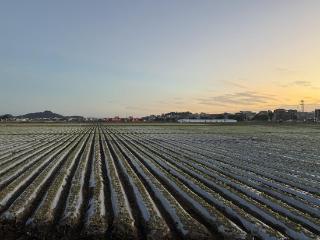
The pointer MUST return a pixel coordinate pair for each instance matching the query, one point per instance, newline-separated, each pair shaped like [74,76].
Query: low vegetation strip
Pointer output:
[159,182]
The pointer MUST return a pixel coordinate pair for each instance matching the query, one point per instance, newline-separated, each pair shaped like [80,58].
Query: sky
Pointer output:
[103,58]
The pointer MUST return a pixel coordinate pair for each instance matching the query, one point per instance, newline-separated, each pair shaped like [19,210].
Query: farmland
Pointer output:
[159,181]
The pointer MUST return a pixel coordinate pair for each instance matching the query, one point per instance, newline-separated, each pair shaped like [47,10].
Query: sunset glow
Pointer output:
[141,57]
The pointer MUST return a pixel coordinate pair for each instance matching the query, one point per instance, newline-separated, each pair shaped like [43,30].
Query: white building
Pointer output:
[207,121]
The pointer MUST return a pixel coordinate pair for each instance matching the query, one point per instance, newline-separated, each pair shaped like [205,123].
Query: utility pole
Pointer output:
[302,105]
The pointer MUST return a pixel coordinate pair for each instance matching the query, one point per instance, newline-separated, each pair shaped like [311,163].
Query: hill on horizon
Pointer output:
[44,114]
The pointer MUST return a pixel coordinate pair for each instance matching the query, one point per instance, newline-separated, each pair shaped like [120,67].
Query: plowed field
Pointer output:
[159,182]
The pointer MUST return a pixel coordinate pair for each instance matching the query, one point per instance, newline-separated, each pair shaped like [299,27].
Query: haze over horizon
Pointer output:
[105,58]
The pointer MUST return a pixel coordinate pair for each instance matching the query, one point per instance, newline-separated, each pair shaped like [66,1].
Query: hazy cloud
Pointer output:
[135,110]
[235,84]
[173,101]
[287,71]
[240,98]
[302,83]
[298,83]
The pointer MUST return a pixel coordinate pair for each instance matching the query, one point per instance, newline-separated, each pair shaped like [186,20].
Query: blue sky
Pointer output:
[105,58]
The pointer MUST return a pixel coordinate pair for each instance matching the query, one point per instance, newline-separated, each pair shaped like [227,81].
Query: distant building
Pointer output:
[306,116]
[280,115]
[118,119]
[137,120]
[283,115]
[133,119]
[262,116]
[317,115]
[207,121]
[246,115]
[293,114]
[6,118]
[22,119]
[115,119]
